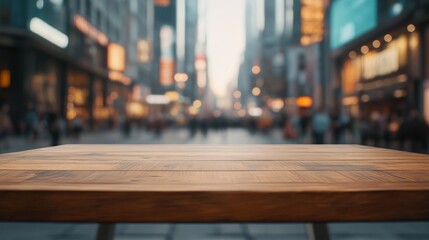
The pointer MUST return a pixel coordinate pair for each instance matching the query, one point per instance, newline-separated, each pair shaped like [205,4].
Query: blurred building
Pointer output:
[70,56]
[306,54]
[379,56]
[189,50]
[250,68]
[139,33]
[272,52]
[164,47]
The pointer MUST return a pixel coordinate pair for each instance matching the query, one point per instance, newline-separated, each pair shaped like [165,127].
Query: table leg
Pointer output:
[106,231]
[317,231]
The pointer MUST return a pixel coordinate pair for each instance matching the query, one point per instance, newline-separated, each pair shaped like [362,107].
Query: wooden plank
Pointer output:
[256,183]
[201,165]
[208,177]
[213,206]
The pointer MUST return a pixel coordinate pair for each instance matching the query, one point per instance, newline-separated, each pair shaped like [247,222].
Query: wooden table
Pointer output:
[213,183]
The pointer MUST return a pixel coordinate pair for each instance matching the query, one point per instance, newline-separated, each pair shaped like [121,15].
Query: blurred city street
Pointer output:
[214,72]
[141,136]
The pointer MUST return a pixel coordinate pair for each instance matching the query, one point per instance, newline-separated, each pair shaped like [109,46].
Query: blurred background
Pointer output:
[214,71]
[205,71]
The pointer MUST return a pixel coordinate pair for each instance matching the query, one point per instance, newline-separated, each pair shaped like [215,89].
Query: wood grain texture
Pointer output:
[211,183]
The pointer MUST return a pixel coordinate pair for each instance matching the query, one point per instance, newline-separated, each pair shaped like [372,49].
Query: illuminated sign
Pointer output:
[85,27]
[116,57]
[166,72]
[46,31]
[201,66]
[144,51]
[167,64]
[350,19]
[162,3]
[387,61]
[312,21]
[350,75]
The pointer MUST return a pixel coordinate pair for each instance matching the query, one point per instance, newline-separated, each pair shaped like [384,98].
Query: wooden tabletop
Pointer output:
[211,183]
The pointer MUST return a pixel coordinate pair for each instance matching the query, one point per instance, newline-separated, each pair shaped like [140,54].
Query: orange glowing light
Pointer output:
[166,71]
[162,3]
[376,43]
[256,69]
[116,57]
[411,28]
[4,78]
[181,77]
[312,21]
[304,102]
[256,91]
[364,49]
[388,37]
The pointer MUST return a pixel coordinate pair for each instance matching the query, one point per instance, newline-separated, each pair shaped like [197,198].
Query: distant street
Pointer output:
[168,136]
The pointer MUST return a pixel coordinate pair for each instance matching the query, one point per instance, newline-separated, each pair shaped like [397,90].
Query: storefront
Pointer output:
[78,105]
[383,74]
[100,110]
[376,56]
[63,69]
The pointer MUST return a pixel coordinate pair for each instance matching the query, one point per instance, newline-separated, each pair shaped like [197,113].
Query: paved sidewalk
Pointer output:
[340,231]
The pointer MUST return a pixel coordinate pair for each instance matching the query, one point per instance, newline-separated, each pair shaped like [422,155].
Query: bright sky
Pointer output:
[225,42]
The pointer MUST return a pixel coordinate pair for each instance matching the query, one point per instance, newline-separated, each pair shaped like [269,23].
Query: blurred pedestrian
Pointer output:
[364,130]
[304,123]
[375,128]
[158,124]
[414,133]
[265,122]
[5,126]
[193,125]
[204,125]
[289,131]
[336,127]
[53,123]
[126,127]
[393,131]
[320,126]
[32,122]
[77,127]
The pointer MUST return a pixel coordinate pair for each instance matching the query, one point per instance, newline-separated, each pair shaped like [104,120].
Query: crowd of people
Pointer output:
[37,123]
[409,132]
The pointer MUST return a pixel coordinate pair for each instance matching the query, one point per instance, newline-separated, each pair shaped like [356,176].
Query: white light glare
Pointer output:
[157,99]
[46,31]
